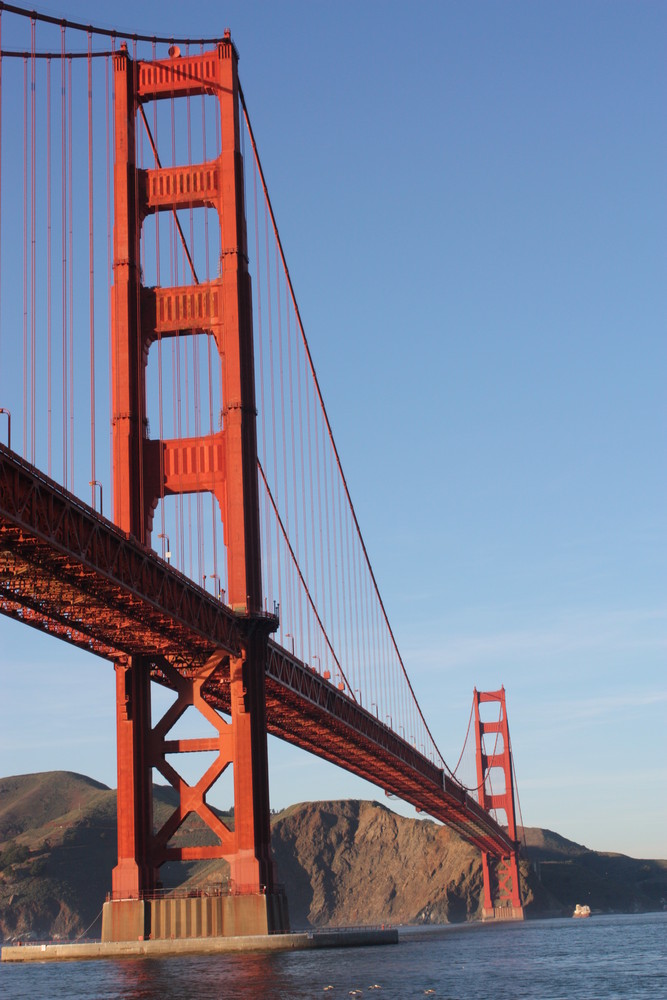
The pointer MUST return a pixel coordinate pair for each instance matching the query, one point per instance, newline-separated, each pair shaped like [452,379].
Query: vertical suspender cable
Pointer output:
[372,674]
[318,487]
[186,385]
[335,587]
[345,652]
[260,335]
[209,352]
[363,586]
[71,271]
[91,265]
[176,352]
[63,237]
[269,317]
[209,349]
[1,193]
[26,393]
[303,480]
[137,321]
[311,509]
[107,69]
[33,240]
[176,355]
[158,281]
[356,598]
[48,260]
[283,441]
[25,257]
[196,394]
[295,501]
[218,230]
[331,531]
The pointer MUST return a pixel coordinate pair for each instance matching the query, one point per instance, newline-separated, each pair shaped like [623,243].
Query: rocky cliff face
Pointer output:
[348,863]
[343,864]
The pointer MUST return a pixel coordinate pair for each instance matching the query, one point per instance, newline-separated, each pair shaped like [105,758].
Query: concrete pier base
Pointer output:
[174,917]
[503,913]
[201,946]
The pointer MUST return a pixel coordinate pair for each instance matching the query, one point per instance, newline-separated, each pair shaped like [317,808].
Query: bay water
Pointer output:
[619,956]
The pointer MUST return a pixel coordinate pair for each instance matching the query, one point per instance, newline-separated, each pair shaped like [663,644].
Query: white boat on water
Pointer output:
[581,911]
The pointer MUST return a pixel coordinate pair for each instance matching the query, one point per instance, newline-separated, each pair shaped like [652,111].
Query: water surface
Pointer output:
[622,957]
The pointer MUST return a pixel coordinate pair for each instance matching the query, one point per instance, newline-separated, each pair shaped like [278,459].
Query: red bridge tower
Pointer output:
[145,470]
[502,896]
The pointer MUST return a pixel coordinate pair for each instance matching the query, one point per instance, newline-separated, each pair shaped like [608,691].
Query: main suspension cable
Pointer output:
[107,32]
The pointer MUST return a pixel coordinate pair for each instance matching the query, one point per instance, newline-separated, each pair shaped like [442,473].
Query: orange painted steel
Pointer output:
[69,572]
[224,464]
[501,876]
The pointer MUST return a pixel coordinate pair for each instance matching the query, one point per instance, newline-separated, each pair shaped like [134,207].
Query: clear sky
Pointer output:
[472,201]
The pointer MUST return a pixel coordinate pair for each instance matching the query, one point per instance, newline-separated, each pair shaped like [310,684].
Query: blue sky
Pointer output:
[472,203]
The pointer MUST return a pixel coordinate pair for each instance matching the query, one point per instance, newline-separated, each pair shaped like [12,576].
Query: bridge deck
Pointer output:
[68,571]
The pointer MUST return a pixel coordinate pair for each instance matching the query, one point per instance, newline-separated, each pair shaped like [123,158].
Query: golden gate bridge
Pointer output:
[153,361]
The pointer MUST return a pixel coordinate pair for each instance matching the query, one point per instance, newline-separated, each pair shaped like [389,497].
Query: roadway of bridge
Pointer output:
[68,571]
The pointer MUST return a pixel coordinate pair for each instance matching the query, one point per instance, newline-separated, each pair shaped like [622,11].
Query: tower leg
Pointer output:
[126,915]
[486,877]
[251,865]
[133,875]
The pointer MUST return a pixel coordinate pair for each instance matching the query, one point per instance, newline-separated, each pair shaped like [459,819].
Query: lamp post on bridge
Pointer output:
[94,483]
[166,554]
[288,635]
[9,425]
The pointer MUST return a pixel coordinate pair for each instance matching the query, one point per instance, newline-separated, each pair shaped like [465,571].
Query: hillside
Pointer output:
[343,863]
[608,882]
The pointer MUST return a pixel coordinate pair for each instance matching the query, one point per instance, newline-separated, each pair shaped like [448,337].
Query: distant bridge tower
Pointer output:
[502,896]
[223,463]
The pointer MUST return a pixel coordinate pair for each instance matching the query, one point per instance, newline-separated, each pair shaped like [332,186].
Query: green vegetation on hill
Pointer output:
[342,863]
